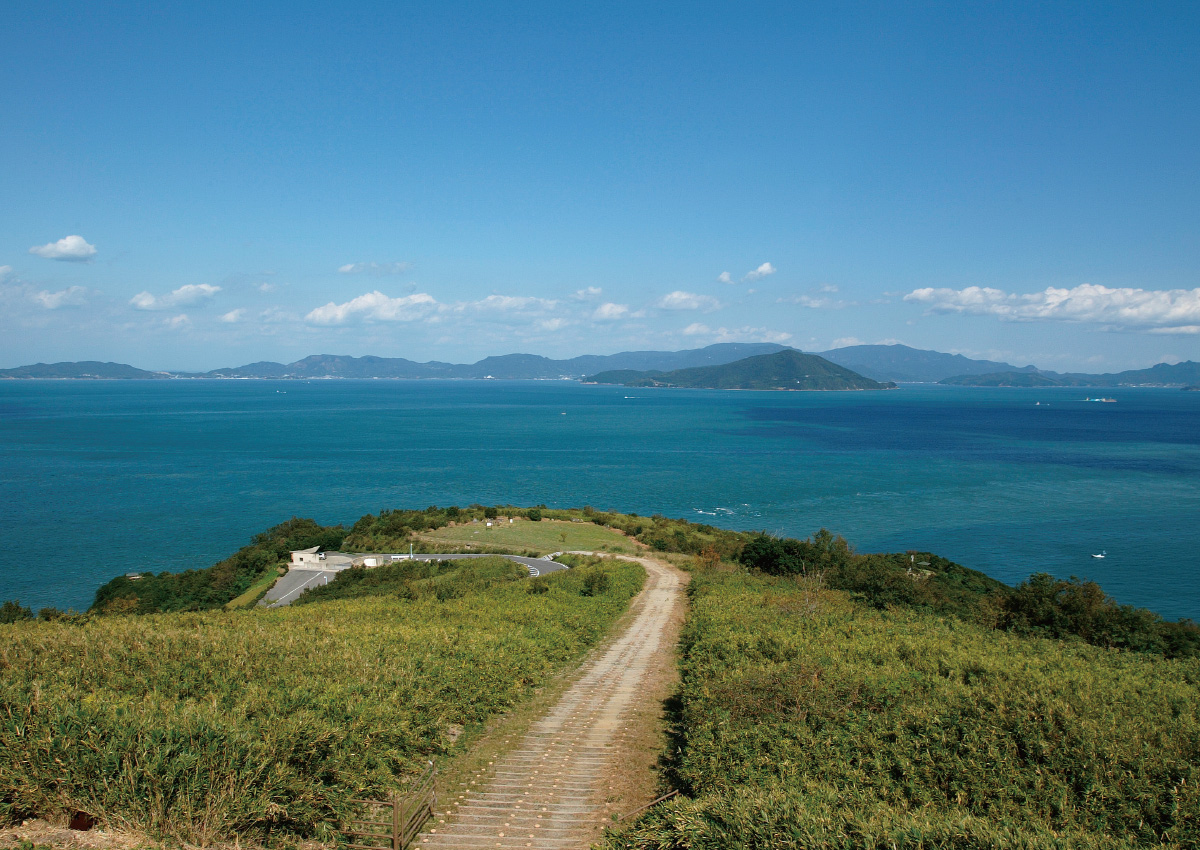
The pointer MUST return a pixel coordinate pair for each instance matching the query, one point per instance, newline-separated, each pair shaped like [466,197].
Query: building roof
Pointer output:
[310,551]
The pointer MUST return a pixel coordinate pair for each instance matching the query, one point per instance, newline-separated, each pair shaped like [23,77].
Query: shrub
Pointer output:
[595,582]
[13,611]
[534,514]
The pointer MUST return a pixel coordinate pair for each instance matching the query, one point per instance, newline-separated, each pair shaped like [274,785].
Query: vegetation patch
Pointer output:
[543,537]
[263,724]
[807,719]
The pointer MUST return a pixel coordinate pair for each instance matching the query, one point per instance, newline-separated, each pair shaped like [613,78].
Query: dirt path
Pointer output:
[579,762]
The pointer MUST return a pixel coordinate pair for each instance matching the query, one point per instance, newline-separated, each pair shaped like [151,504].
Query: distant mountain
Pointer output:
[1162,375]
[1002,379]
[511,366]
[784,370]
[901,363]
[82,370]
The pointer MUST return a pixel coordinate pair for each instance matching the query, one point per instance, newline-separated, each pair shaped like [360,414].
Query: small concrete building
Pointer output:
[307,557]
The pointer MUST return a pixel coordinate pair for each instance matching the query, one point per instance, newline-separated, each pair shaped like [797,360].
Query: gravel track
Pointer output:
[549,791]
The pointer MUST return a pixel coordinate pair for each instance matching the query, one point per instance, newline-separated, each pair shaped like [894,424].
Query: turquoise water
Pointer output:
[100,478]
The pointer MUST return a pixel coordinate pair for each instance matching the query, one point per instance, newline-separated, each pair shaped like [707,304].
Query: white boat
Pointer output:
[1101,555]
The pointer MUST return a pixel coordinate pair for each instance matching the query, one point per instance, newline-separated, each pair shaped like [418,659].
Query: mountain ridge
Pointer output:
[912,365]
[505,366]
[882,363]
[1161,375]
[786,370]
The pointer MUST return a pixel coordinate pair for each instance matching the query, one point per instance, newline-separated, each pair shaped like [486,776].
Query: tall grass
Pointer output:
[261,723]
[810,721]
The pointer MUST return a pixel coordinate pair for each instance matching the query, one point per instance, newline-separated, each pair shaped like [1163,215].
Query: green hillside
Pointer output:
[830,699]
[262,725]
[785,370]
[808,721]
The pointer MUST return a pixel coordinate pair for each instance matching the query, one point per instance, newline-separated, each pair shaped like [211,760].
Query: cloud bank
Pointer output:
[376,269]
[73,249]
[374,306]
[1151,310]
[73,296]
[680,300]
[188,294]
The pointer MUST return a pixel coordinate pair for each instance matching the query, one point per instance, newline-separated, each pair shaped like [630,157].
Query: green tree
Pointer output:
[13,612]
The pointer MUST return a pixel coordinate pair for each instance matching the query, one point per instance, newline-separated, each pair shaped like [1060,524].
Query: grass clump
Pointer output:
[809,720]
[196,727]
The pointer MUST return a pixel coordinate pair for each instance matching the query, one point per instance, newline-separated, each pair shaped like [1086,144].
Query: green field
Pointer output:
[807,720]
[545,536]
[262,724]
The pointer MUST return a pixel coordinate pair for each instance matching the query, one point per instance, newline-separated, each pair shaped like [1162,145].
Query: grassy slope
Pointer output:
[257,723]
[809,721]
[543,536]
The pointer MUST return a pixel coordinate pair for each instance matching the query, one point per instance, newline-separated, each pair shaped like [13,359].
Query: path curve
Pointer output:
[549,791]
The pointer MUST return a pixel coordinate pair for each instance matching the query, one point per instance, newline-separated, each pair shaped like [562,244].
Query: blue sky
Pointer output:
[210,185]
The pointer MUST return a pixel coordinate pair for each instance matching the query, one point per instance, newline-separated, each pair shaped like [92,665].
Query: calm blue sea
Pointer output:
[100,478]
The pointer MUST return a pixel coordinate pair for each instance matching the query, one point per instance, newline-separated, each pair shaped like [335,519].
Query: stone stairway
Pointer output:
[549,790]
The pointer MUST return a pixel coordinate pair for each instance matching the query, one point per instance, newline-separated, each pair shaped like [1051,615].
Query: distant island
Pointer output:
[1163,375]
[785,370]
[880,363]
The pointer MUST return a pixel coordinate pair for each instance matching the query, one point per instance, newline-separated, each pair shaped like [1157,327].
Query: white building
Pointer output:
[307,557]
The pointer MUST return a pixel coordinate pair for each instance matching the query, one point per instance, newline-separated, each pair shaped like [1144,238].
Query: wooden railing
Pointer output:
[405,815]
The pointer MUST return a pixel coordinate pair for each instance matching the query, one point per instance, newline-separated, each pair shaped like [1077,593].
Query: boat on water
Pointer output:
[1104,400]
[1101,555]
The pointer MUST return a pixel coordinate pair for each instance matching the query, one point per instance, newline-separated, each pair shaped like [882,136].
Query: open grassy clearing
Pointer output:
[808,720]
[263,724]
[545,536]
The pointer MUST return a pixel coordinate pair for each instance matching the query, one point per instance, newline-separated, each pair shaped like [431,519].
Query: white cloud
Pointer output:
[589,294]
[609,312]
[70,248]
[724,277]
[760,272]
[743,334]
[506,304]
[267,286]
[274,315]
[234,316]
[554,324]
[376,269]
[184,295]
[827,287]
[846,342]
[5,273]
[375,306]
[176,322]
[680,300]
[1181,329]
[1156,311]
[73,296]
[814,303]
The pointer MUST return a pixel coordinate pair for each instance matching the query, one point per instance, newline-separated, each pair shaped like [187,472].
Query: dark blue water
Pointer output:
[106,477]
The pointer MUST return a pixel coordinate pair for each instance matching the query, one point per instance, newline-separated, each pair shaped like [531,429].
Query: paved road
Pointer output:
[299,579]
[551,790]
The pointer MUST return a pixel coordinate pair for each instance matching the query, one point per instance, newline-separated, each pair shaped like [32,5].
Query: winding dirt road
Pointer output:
[556,788]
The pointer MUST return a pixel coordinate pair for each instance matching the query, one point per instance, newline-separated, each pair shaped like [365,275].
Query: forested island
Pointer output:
[854,699]
[784,370]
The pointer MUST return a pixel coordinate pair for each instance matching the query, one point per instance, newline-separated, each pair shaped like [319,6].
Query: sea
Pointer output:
[99,478]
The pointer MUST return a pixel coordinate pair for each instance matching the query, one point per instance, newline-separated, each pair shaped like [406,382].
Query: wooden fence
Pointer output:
[405,814]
